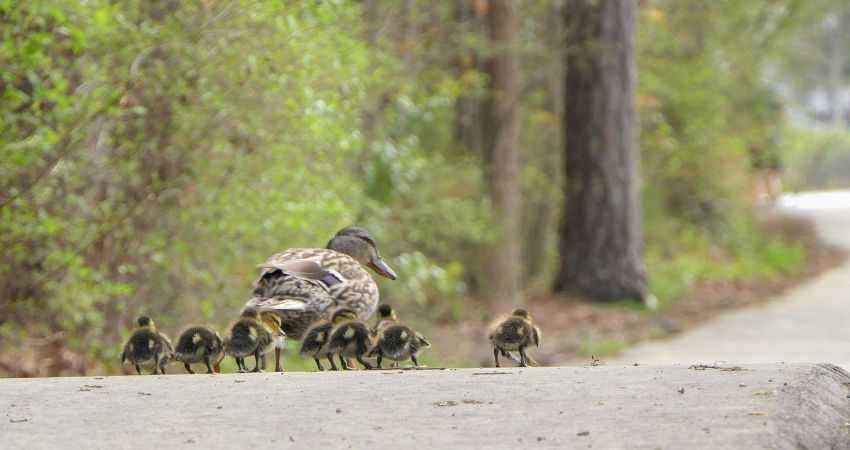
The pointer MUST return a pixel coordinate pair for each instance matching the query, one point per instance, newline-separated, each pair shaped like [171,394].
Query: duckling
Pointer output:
[350,338]
[147,347]
[272,320]
[314,343]
[398,343]
[514,333]
[199,344]
[249,336]
[384,319]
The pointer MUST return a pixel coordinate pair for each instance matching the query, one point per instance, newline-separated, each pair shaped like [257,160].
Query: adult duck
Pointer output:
[307,284]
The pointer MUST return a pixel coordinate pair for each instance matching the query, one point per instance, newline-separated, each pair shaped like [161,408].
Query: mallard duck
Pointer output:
[351,338]
[249,336]
[514,333]
[384,319]
[398,343]
[306,285]
[314,343]
[199,345]
[147,347]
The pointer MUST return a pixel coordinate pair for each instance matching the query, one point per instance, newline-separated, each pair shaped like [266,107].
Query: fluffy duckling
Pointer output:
[314,343]
[398,343]
[272,320]
[384,319]
[199,345]
[350,338]
[514,333]
[250,336]
[147,347]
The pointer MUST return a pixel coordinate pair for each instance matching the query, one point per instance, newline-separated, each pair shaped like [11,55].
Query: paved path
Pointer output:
[669,407]
[810,323]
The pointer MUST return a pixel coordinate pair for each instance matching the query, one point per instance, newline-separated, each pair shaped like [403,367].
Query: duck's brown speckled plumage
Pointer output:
[304,302]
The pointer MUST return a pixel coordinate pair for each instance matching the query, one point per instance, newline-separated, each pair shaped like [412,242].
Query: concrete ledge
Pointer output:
[760,406]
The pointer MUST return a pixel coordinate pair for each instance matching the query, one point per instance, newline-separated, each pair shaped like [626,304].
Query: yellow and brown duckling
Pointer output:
[384,319]
[199,345]
[315,342]
[272,320]
[351,338]
[250,336]
[147,347]
[516,332]
[398,343]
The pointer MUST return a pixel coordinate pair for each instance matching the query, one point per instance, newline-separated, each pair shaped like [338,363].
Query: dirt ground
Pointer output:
[574,329]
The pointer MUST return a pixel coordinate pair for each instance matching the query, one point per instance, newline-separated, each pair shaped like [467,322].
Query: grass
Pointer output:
[598,347]
[751,252]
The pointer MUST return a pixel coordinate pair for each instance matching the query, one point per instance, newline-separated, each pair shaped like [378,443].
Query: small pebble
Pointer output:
[583,433]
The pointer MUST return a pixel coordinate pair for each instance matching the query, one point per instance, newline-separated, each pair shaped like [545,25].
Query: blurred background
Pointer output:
[501,152]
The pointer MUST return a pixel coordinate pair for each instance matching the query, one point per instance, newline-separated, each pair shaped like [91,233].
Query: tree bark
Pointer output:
[601,235]
[541,222]
[502,153]
[468,125]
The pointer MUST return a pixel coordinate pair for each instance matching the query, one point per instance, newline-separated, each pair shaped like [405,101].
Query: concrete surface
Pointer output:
[808,323]
[668,407]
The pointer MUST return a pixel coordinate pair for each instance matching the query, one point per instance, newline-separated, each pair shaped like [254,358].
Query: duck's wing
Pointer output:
[314,280]
[305,269]
[279,303]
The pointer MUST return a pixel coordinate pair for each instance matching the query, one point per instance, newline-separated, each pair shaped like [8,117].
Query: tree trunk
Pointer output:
[601,232]
[502,155]
[541,221]
[471,16]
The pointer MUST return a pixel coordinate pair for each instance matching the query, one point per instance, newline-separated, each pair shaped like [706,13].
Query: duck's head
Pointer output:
[360,245]
[250,313]
[422,341]
[145,322]
[343,315]
[386,312]
[519,312]
[273,320]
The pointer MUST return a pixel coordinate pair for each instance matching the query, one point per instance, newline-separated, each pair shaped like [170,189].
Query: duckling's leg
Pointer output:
[278,367]
[319,364]
[333,363]
[138,369]
[415,362]
[188,368]
[364,362]
[240,363]
[207,362]
[510,356]
[344,364]
[496,356]
[380,359]
[522,357]
[258,357]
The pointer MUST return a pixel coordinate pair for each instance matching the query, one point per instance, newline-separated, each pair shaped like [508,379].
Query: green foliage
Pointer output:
[708,119]
[153,152]
[816,159]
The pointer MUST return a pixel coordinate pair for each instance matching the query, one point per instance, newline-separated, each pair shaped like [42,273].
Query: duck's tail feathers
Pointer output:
[287,304]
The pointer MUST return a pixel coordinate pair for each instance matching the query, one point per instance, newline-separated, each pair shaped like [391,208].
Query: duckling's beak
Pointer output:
[381,268]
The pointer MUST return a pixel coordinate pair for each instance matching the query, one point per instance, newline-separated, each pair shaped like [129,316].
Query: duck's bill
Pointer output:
[381,268]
